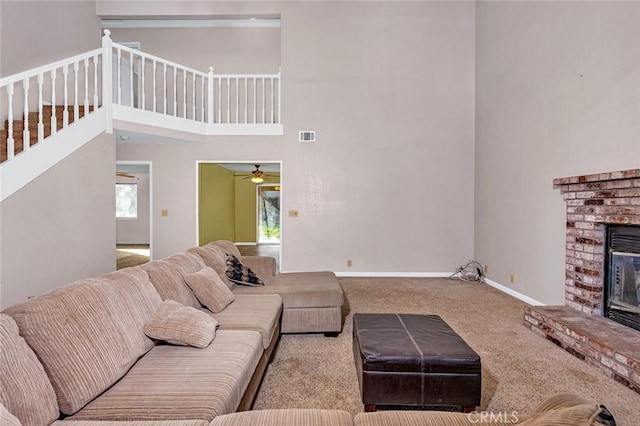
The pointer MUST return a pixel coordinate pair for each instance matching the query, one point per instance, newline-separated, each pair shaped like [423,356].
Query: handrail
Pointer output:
[48,67]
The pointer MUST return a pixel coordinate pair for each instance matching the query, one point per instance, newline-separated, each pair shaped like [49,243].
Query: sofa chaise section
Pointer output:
[312,301]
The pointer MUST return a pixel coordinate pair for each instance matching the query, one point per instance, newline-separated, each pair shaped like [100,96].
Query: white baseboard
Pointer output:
[245,244]
[512,292]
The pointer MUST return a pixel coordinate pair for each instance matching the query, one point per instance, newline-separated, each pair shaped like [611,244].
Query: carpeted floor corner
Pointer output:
[519,367]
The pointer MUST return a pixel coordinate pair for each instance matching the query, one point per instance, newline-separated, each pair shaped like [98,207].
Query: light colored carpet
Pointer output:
[519,367]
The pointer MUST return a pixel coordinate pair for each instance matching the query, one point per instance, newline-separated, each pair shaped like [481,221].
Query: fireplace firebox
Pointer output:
[622,286]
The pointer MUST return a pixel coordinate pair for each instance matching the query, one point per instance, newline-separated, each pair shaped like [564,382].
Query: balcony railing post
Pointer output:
[107,79]
[279,95]
[210,106]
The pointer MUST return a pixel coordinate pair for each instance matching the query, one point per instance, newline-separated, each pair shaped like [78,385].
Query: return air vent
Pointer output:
[307,136]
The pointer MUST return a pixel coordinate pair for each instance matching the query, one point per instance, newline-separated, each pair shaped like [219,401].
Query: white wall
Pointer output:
[389,88]
[558,94]
[61,226]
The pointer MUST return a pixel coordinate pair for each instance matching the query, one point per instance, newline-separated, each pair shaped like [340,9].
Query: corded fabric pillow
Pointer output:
[237,273]
[209,289]
[181,325]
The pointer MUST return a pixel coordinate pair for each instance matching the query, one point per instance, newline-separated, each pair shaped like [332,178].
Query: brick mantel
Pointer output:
[594,201]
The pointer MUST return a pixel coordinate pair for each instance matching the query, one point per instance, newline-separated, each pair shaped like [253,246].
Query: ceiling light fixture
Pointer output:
[257,179]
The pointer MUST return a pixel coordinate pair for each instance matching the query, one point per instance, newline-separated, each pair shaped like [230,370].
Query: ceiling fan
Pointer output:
[257,175]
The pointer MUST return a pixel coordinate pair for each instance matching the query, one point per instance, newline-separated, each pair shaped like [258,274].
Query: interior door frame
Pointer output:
[251,162]
[149,165]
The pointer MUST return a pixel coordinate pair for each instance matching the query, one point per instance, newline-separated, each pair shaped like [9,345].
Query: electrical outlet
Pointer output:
[164,212]
[349,263]
[293,213]
[512,278]
[485,269]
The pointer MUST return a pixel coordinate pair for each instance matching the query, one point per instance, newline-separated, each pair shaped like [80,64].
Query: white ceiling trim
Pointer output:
[192,23]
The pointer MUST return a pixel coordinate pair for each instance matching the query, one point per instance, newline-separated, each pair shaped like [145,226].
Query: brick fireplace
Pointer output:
[592,203]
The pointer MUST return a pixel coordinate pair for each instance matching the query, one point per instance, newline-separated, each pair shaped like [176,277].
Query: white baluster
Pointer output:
[279,95]
[155,88]
[237,98]
[143,91]
[164,110]
[54,121]
[65,110]
[76,109]
[219,100]
[246,100]
[229,100]
[119,76]
[95,82]
[264,94]
[26,142]
[131,80]
[272,104]
[255,97]
[184,93]
[10,141]
[86,86]
[175,91]
[193,90]
[202,99]
[40,118]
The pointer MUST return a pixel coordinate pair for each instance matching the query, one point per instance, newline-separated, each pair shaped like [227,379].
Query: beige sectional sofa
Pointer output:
[137,347]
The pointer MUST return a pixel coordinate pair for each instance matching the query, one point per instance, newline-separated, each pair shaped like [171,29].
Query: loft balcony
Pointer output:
[54,109]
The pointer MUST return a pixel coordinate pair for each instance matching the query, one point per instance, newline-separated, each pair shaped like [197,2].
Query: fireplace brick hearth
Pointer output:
[593,202]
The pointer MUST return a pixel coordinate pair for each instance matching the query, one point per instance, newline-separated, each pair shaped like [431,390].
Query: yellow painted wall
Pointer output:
[245,210]
[216,204]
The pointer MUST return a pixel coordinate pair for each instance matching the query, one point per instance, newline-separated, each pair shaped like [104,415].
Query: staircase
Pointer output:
[117,84]
[32,119]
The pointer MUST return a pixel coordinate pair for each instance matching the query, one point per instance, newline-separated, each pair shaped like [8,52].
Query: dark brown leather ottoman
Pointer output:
[414,360]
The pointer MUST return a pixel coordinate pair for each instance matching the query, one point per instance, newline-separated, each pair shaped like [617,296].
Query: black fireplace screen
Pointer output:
[623,279]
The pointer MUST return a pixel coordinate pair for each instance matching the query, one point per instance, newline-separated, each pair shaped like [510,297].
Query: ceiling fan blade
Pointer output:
[126,175]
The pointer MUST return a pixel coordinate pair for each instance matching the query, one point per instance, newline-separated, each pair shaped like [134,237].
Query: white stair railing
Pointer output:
[150,83]
[118,75]
[25,96]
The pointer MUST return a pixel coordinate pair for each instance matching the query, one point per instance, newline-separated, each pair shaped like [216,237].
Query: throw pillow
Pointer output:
[181,325]
[240,274]
[209,289]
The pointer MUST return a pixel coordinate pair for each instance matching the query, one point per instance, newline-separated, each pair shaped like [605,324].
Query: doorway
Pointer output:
[268,217]
[240,202]
[134,220]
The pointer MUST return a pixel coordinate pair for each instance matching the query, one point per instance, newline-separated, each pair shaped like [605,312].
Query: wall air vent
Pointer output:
[307,136]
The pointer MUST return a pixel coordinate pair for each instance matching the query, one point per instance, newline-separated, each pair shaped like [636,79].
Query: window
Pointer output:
[127,200]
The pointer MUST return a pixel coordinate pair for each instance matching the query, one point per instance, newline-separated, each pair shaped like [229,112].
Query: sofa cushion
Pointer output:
[301,289]
[8,419]
[25,390]
[228,247]
[88,334]
[209,289]
[567,409]
[286,417]
[258,312]
[131,423]
[181,382]
[181,325]
[423,418]
[239,274]
[169,282]
[215,257]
